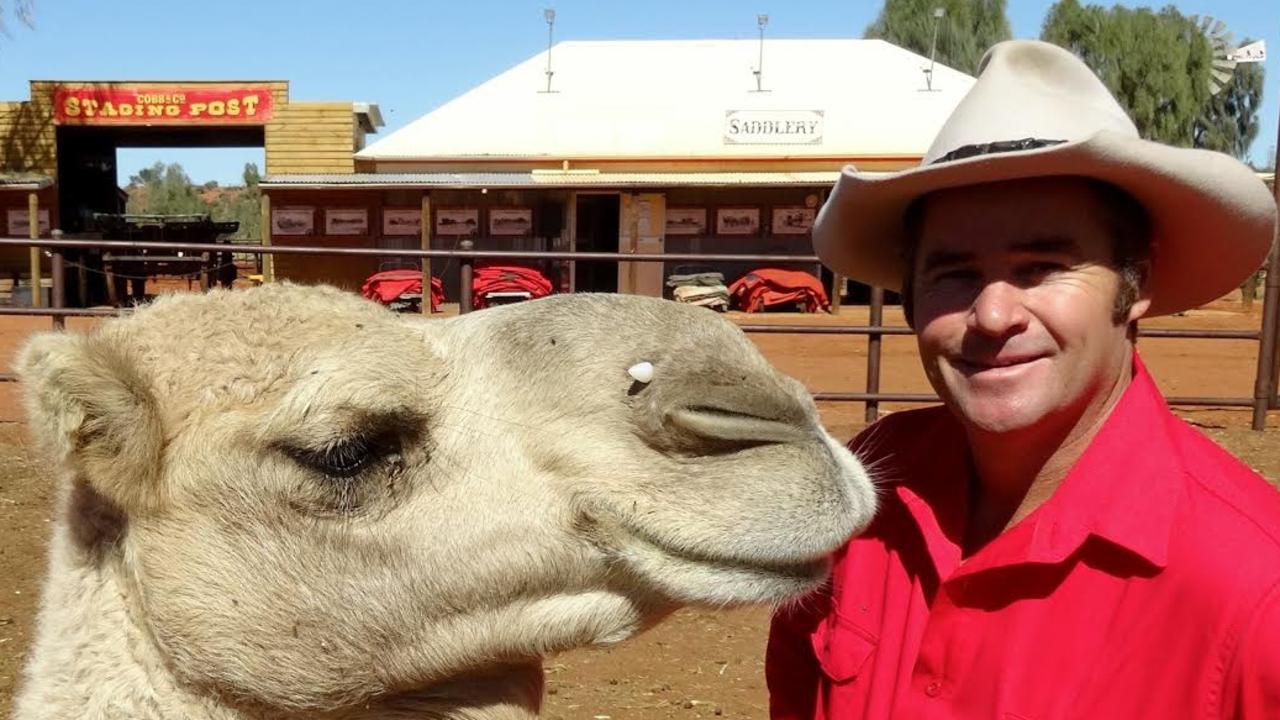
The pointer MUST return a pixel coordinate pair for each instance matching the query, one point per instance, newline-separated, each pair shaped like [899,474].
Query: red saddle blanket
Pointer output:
[507,278]
[765,288]
[385,287]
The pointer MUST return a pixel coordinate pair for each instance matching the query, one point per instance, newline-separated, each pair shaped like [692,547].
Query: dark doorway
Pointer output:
[87,162]
[597,231]
[90,200]
[86,177]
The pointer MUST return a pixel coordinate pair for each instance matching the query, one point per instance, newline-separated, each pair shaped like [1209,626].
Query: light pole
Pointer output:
[549,15]
[938,14]
[761,20]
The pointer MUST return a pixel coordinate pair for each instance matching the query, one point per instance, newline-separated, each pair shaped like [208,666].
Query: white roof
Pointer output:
[552,179]
[636,99]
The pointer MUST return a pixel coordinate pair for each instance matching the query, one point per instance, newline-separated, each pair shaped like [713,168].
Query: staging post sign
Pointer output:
[142,104]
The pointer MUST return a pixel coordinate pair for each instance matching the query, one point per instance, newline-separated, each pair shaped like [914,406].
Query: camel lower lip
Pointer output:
[800,570]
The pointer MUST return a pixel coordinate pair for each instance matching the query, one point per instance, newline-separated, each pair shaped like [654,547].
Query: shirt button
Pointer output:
[933,689]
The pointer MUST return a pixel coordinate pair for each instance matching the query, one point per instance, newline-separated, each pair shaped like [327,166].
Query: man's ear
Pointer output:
[1142,304]
[1139,308]
[92,411]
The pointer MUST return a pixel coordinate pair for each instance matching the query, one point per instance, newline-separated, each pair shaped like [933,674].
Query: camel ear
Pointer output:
[93,412]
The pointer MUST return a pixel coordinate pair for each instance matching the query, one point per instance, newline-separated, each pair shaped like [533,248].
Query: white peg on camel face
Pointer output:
[641,372]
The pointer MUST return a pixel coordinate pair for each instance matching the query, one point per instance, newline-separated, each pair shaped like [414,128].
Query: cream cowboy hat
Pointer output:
[1036,110]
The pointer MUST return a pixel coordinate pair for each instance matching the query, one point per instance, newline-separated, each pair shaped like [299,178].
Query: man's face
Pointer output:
[1014,290]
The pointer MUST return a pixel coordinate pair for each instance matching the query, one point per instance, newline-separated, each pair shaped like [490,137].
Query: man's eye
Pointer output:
[1040,269]
[958,275]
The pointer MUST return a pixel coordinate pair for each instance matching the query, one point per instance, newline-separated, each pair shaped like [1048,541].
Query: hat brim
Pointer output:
[1212,219]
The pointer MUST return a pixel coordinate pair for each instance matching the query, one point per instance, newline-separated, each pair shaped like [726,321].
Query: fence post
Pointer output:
[33,232]
[268,260]
[1266,383]
[425,240]
[1275,373]
[875,320]
[206,272]
[1264,388]
[59,271]
[465,274]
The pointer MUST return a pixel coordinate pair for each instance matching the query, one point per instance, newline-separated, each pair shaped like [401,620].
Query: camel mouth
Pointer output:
[718,579]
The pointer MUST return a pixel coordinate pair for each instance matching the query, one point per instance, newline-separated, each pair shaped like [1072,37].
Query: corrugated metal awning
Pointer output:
[24,181]
[550,179]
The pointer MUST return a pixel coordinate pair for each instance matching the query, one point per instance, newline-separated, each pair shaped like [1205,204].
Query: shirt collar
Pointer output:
[1121,489]
[1124,488]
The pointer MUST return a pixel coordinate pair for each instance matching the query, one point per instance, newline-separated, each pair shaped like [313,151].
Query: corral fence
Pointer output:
[1265,381]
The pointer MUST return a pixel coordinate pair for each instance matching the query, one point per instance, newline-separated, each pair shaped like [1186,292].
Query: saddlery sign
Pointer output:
[772,127]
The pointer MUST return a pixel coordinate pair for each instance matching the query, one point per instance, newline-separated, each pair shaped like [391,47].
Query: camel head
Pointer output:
[312,503]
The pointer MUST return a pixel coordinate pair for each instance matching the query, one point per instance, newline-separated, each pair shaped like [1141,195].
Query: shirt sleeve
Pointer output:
[790,667]
[1258,667]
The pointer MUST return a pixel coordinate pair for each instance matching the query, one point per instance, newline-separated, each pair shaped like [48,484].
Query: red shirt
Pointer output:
[1147,586]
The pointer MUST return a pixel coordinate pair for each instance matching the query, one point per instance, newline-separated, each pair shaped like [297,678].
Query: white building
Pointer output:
[647,146]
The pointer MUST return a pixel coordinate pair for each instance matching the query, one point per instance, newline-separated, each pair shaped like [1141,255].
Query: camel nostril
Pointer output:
[715,423]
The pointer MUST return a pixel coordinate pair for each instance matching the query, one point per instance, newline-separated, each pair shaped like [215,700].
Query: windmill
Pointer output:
[1222,46]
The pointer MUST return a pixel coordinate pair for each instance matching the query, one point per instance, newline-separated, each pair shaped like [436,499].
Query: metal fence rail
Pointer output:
[1265,385]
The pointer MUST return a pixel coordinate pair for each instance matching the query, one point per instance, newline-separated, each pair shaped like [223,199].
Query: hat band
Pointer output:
[992,148]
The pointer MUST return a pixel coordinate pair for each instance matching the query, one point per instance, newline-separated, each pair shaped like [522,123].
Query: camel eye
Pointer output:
[344,459]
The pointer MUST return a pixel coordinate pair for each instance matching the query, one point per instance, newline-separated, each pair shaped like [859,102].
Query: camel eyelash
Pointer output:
[346,458]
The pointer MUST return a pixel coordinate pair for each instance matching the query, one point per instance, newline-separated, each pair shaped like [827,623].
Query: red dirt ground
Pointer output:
[700,663]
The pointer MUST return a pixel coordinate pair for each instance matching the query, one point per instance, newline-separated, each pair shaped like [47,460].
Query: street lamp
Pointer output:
[761,20]
[938,14]
[549,14]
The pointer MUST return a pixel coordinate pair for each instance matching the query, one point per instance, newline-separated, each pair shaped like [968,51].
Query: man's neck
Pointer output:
[1015,473]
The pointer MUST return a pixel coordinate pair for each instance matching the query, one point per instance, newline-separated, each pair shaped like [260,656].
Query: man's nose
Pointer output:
[998,310]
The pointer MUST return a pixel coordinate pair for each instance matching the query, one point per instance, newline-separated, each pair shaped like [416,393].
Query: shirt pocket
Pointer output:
[843,649]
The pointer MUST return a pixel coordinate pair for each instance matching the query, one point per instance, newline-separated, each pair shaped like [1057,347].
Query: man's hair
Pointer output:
[1124,216]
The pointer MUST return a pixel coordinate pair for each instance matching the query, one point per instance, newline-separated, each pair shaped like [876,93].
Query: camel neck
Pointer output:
[92,659]
[89,658]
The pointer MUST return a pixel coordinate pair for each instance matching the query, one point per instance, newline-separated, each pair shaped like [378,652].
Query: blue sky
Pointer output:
[410,56]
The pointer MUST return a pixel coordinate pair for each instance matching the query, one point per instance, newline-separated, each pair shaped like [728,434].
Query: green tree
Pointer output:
[243,205]
[164,190]
[251,176]
[964,33]
[1155,63]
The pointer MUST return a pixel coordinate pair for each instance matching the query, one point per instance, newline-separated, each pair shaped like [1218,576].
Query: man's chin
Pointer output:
[997,416]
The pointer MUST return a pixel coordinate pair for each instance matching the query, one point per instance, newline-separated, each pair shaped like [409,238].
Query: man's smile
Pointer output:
[998,366]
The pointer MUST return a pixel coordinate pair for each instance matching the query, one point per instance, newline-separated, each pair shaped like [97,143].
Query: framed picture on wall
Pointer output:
[686,221]
[401,221]
[457,221]
[738,221]
[19,227]
[296,220]
[510,221]
[793,220]
[346,221]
